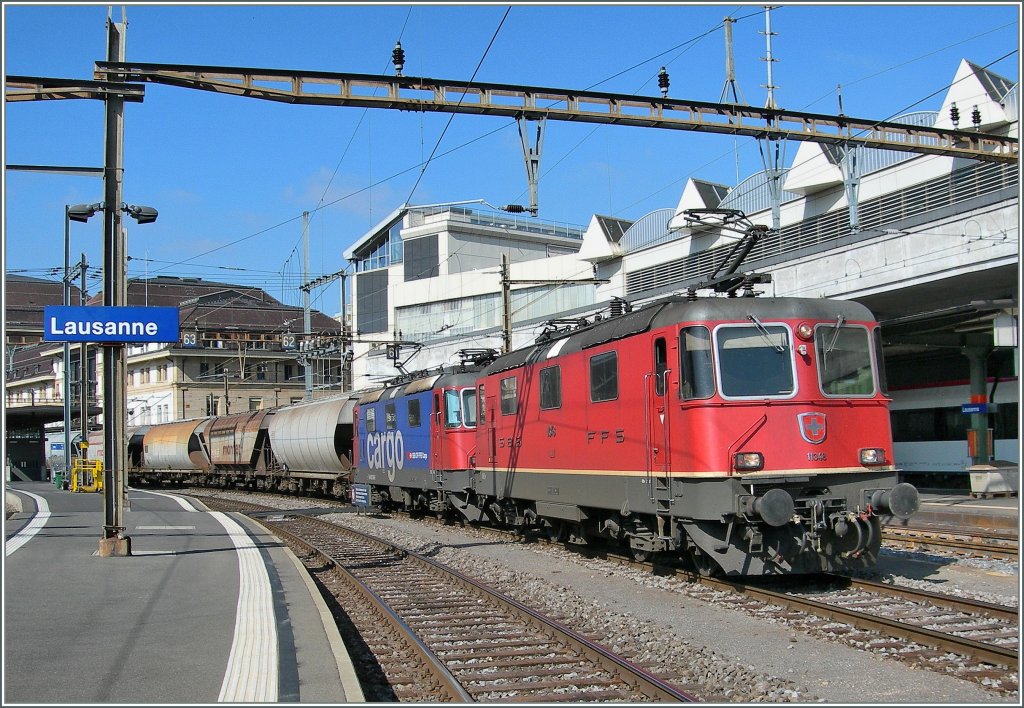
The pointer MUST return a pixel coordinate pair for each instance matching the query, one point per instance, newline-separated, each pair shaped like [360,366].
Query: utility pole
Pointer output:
[307,328]
[773,150]
[114,542]
[227,405]
[67,346]
[506,297]
[83,377]
[506,306]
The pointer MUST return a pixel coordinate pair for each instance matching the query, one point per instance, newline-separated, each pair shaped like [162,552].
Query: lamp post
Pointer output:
[114,542]
[80,213]
[67,347]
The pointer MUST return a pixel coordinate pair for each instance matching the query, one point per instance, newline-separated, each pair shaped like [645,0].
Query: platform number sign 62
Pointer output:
[288,341]
[189,339]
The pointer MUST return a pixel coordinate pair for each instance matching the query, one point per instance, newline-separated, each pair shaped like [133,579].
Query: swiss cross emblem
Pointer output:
[812,427]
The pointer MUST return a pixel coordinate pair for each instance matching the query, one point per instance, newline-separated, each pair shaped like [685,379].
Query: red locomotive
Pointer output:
[750,435]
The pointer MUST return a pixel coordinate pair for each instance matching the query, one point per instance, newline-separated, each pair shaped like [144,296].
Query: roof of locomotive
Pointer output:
[681,309]
[419,381]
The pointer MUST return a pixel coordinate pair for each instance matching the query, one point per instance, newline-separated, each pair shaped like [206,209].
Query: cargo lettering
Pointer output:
[385,451]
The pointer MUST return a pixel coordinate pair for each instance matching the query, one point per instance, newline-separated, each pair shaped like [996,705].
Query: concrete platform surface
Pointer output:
[208,608]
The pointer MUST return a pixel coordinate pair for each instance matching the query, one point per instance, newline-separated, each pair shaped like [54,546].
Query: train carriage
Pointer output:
[312,447]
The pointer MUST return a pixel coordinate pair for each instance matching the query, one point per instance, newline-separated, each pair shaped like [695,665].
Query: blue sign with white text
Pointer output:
[361,495]
[110,324]
[970,408]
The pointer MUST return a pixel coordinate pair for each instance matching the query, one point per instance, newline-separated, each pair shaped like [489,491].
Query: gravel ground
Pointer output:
[676,628]
[673,623]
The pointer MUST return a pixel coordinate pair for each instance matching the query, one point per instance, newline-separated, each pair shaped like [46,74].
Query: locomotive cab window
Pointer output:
[755,361]
[371,420]
[551,388]
[844,360]
[469,406]
[697,379]
[660,365]
[604,377]
[452,409]
[509,396]
[413,412]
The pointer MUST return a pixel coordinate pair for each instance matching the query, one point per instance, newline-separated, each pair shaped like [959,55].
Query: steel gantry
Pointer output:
[410,93]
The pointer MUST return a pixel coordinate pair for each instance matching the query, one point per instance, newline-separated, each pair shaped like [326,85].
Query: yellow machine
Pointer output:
[86,475]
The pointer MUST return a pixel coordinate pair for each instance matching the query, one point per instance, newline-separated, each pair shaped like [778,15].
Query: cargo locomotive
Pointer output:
[749,435]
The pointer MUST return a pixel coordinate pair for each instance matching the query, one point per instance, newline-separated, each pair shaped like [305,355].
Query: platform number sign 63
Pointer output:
[189,339]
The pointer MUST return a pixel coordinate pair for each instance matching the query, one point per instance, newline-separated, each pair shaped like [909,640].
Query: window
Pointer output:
[390,416]
[660,365]
[204,368]
[421,258]
[509,397]
[844,360]
[255,403]
[261,372]
[604,377]
[755,362]
[371,420]
[482,417]
[469,406]
[697,379]
[413,412]
[287,372]
[453,409]
[551,388]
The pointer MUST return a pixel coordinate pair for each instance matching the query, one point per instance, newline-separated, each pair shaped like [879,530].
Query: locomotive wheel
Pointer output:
[703,564]
[639,554]
[555,530]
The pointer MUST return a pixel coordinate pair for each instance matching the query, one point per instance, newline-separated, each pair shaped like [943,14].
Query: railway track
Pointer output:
[442,636]
[984,632]
[975,640]
[972,542]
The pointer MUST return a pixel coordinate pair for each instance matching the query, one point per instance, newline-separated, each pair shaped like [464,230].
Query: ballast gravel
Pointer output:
[670,623]
[677,630]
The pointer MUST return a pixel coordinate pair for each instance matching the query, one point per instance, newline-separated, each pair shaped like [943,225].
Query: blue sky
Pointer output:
[232,176]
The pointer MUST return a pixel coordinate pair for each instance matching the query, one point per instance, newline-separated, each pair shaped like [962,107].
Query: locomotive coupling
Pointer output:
[775,507]
[902,500]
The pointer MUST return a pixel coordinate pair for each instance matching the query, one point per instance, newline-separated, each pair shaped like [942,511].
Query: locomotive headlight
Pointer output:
[804,331]
[748,461]
[872,456]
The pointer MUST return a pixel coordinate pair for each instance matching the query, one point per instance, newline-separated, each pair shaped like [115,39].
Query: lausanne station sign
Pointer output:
[110,324]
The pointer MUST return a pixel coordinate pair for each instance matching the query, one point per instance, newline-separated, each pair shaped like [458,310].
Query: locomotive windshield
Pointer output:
[460,408]
[755,361]
[844,360]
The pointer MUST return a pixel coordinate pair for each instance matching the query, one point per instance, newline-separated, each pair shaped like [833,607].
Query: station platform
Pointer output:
[999,513]
[208,608]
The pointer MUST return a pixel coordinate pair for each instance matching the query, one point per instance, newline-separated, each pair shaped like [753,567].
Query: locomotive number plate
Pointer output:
[817,456]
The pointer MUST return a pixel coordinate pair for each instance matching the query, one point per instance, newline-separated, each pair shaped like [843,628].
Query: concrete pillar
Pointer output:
[978,358]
